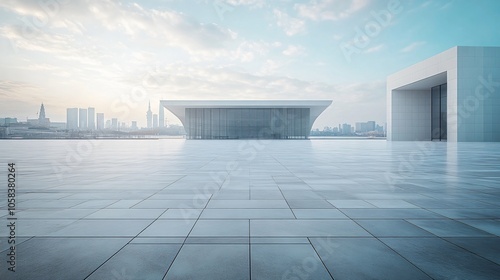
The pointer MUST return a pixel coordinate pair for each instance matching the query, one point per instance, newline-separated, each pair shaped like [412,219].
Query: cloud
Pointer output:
[251,3]
[321,10]
[292,26]
[294,50]
[15,90]
[165,27]
[412,46]
[374,49]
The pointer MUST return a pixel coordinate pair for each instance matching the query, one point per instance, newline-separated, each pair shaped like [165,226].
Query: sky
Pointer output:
[117,56]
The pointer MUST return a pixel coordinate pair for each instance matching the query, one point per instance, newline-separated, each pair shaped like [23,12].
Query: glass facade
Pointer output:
[439,112]
[247,123]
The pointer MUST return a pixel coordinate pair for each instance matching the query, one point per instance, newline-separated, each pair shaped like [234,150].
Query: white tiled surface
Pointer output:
[176,209]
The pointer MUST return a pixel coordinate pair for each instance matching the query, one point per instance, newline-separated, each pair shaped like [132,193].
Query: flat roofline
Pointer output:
[246,103]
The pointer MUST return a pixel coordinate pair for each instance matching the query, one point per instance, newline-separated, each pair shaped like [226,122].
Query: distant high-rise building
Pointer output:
[134,125]
[370,126]
[149,116]
[91,118]
[346,129]
[108,124]
[161,116]
[7,121]
[155,121]
[360,127]
[82,119]
[114,124]
[72,118]
[100,121]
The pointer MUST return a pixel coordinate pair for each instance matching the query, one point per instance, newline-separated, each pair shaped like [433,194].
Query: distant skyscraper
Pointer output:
[134,125]
[108,124]
[161,116]
[42,120]
[346,129]
[114,124]
[72,118]
[100,121]
[370,126]
[82,119]
[149,116]
[91,118]
[155,121]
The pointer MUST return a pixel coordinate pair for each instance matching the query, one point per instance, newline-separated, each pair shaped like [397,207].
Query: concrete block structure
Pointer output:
[453,96]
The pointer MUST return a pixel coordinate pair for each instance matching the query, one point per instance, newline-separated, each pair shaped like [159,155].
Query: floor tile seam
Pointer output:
[145,199]
[287,169]
[126,244]
[249,250]
[453,244]
[390,248]
[98,181]
[189,233]
[460,218]
[321,259]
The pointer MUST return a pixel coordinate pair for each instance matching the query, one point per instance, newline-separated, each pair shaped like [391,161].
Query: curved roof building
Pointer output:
[247,119]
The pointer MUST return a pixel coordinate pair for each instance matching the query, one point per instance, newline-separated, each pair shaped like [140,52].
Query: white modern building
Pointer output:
[247,119]
[453,96]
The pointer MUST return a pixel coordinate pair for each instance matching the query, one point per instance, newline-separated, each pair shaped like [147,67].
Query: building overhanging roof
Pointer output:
[177,107]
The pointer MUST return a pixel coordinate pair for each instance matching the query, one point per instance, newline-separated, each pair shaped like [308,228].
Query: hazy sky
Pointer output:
[117,55]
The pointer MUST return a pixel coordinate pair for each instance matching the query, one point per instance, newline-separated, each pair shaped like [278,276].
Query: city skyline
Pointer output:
[338,50]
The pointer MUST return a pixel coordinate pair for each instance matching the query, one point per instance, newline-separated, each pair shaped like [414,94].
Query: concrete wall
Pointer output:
[473,78]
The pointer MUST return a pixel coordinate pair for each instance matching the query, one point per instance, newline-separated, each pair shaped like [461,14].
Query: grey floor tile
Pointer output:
[138,261]
[217,240]
[392,228]
[350,203]
[124,204]
[55,213]
[309,204]
[391,203]
[279,240]
[464,213]
[449,228]
[364,258]
[150,214]
[222,228]
[488,248]
[214,261]
[188,214]
[39,227]
[490,226]
[305,228]
[168,228]
[94,204]
[247,204]
[443,260]
[247,214]
[171,203]
[286,261]
[61,258]
[319,214]
[395,213]
[108,228]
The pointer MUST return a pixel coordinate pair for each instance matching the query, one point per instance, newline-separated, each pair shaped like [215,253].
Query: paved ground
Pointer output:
[319,209]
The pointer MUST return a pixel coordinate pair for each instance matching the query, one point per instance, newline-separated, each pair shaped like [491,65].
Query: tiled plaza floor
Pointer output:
[235,209]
